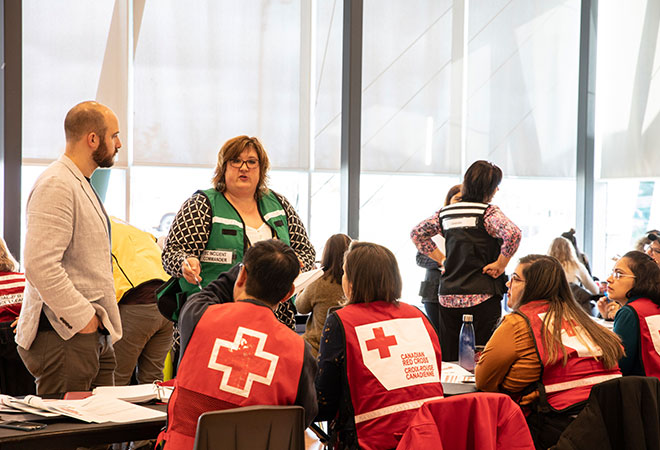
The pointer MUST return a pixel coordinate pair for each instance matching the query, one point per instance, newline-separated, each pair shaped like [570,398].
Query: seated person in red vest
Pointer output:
[548,353]
[635,284]
[379,358]
[14,377]
[234,350]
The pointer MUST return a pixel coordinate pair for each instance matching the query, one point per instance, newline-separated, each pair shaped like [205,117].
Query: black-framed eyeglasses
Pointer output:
[516,277]
[237,163]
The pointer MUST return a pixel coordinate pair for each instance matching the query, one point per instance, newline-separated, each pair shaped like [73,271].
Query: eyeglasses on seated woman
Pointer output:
[548,353]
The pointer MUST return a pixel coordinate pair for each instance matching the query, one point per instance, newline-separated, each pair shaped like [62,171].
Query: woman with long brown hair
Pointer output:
[548,353]
[325,292]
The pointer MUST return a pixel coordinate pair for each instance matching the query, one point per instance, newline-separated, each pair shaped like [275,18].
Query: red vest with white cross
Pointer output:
[392,366]
[238,355]
[648,314]
[567,385]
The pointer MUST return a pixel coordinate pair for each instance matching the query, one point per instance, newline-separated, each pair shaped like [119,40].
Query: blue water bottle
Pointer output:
[466,344]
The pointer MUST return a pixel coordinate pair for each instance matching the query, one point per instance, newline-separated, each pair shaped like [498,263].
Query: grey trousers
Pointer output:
[146,339]
[79,364]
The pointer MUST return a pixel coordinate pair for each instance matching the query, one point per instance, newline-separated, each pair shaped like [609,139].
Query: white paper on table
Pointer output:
[305,279]
[102,408]
[453,373]
[30,404]
[137,393]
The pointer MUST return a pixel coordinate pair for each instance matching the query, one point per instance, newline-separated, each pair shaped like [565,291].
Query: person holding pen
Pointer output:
[214,227]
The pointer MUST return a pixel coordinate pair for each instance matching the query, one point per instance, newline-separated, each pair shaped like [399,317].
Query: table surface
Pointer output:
[62,432]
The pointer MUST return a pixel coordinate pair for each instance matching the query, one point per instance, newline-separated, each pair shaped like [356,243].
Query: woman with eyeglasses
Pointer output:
[479,242]
[548,353]
[214,227]
[652,248]
[635,285]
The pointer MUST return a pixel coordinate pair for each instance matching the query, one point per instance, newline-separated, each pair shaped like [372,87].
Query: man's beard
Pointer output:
[102,157]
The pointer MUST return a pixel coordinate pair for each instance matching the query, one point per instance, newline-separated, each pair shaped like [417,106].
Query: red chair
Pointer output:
[482,421]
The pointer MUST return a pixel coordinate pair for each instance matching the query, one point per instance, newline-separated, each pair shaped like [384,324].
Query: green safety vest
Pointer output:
[228,242]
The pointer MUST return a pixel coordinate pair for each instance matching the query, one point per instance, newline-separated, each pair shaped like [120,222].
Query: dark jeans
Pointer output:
[14,377]
[546,427]
[485,316]
[433,313]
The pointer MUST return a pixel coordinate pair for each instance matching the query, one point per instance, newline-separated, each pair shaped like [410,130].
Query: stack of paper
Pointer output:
[97,408]
[453,373]
[305,279]
[139,393]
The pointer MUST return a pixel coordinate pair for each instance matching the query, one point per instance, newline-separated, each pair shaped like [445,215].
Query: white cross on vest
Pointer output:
[243,361]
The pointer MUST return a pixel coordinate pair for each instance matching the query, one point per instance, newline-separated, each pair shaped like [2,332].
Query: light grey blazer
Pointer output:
[68,269]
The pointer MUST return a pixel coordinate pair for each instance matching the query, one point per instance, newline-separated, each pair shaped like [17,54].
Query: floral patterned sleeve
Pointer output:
[421,235]
[500,226]
[298,235]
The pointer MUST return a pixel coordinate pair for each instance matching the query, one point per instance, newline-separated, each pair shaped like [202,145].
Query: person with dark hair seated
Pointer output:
[326,292]
[635,284]
[379,359]
[548,353]
[235,352]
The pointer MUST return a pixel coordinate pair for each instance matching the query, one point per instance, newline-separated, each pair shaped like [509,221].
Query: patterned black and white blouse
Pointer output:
[190,233]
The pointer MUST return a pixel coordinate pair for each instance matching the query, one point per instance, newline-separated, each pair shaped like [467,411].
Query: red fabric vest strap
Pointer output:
[649,330]
[393,366]
[567,385]
[238,355]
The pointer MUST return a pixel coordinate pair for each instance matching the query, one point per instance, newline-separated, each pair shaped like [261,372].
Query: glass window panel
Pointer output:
[522,85]
[390,207]
[628,89]
[158,192]
[327,102]
[406,83]
[63,48]
[624,210]
[213,70]
[325,208]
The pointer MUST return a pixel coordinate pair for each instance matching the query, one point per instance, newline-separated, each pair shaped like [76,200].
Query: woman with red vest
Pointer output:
[548,353]
[635,284]
[14,377]
[379,359]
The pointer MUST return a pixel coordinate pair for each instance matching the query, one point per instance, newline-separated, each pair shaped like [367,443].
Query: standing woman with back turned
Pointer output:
[480,240]
[214,227]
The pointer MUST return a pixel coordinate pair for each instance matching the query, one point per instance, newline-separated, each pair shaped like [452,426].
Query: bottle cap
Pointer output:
[467,317]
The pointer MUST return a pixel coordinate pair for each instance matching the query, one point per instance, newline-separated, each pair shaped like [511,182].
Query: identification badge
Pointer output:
[217,256]
[460,222]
